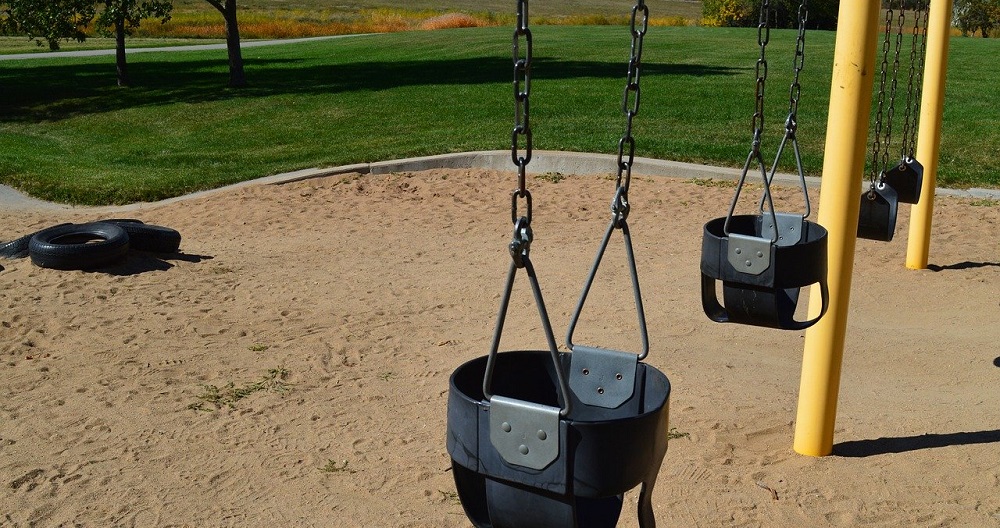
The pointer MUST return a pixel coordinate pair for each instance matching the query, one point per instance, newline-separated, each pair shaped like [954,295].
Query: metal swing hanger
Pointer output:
[598,376]
[782,228]
[792,121]
[520,245]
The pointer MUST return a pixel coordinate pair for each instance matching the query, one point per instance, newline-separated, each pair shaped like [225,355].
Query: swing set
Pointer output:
[543,438]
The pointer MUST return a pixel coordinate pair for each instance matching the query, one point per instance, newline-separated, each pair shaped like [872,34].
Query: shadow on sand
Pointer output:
[903,444]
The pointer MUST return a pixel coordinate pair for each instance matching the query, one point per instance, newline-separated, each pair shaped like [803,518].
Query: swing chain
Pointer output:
[630,107]
[763,37]
[522,127]
[893,85]
[792,121]
[909,126]
[917,57]
[880,111]
[795,90]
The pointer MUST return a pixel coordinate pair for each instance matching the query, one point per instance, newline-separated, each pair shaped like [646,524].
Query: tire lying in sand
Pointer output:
[148,237]
[19,248]
[78,246]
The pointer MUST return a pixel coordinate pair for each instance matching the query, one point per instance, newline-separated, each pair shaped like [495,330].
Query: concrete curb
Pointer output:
[542,162]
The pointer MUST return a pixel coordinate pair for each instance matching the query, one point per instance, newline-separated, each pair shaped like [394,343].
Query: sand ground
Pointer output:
[290,366]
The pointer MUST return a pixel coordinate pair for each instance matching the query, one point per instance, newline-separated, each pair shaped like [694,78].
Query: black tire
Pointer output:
[19,248]
[16,248]
[149,237]
[79,246]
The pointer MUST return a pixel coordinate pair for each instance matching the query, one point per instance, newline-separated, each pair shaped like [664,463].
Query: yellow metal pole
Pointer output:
[840,195]
[929,138]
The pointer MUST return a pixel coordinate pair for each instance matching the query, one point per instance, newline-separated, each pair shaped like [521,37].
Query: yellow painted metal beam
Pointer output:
[929,137]
[840,195]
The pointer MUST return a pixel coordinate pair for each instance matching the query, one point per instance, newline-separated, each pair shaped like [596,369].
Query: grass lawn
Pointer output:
[69,134]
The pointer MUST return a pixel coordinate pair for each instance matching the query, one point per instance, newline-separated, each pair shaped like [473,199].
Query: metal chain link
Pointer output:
[795,90]
[630,107]
[792,121]
[887,142]
[522,95]
[763,37]
[880,111]
[520,244]
[910,145]
[908,125]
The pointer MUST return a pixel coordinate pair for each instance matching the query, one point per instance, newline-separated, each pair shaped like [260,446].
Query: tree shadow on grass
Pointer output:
[51,92]
[903,444]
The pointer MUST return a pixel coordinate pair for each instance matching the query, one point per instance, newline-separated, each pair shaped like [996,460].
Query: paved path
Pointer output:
[194,47]
[541,162]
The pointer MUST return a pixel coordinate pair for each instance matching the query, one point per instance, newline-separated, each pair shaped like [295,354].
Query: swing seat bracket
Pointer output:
[524,434]
[789,231]
[749,254]
[602,378]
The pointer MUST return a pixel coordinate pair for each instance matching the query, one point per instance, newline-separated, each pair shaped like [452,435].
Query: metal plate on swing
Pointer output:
[602,378]
[789,228]
[749,254]
[524,433]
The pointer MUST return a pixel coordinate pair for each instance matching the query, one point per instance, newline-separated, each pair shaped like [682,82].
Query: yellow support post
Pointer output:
[929,138]
[840,198]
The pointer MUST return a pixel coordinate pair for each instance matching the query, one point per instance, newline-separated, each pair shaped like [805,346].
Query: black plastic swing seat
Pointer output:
[602,453]
[906,179]
[877,213]
[761,279]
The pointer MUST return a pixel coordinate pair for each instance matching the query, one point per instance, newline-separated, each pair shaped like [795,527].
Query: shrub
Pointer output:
[728,13]
[784,13]
[452,20]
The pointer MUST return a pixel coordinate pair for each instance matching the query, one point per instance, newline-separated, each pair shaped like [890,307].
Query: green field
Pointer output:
[69,134]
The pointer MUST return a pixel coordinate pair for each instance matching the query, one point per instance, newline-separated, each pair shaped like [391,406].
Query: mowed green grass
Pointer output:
[67,133]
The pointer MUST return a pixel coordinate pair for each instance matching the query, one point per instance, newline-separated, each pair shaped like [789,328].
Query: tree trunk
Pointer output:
[236,76]
[123,79]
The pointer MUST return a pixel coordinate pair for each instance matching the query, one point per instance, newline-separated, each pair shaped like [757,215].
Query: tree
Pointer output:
[228,10]
[822,14]
[977,15]
[121,17]
[50,21]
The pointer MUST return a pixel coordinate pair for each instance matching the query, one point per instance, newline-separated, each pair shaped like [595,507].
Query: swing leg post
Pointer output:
[929,138]
[844,160]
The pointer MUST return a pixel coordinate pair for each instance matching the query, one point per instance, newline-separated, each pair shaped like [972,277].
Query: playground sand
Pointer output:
[366,292]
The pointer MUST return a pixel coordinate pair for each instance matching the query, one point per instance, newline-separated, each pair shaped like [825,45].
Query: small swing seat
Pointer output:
[877,215]
[762,271]
[906,179]
[583,462]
